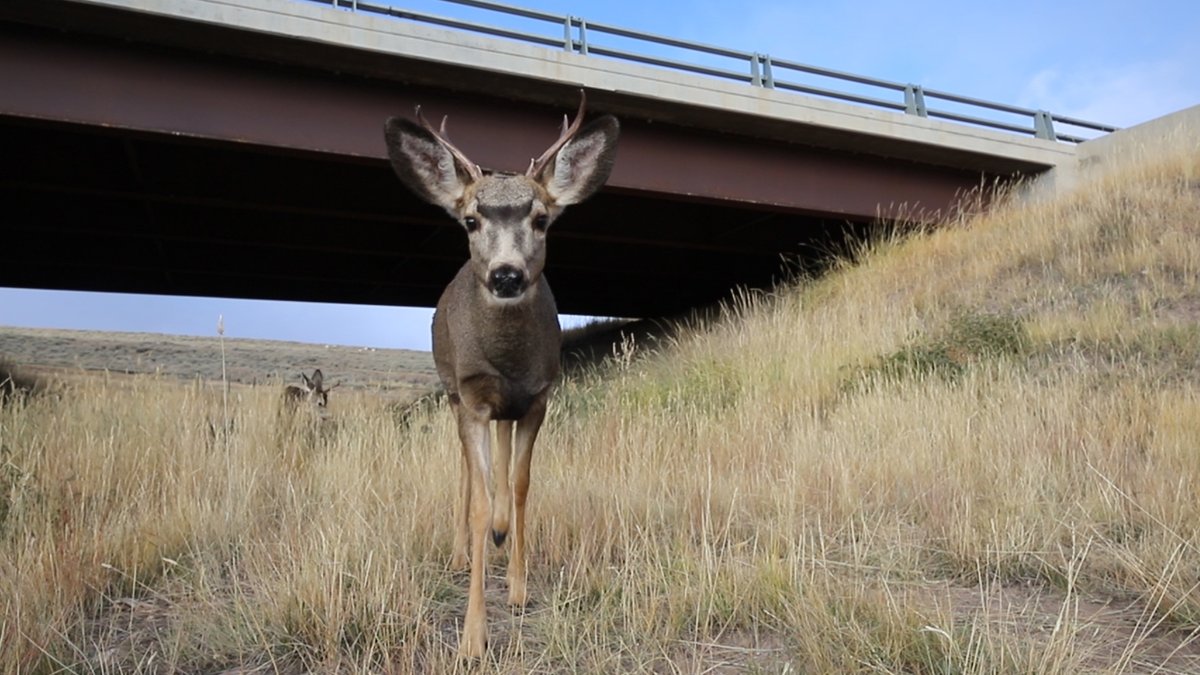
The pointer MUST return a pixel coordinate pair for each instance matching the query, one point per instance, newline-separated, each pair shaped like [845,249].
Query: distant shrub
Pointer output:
[969,338]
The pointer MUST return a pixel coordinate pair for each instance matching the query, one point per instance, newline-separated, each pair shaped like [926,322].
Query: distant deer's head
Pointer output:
[506,215]
[313,390]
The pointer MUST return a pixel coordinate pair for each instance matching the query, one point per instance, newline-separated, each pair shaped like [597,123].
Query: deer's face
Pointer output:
[319,399]
[506,218]
[312,391]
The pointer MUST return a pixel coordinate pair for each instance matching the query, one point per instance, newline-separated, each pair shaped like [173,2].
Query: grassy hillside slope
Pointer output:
[973,450]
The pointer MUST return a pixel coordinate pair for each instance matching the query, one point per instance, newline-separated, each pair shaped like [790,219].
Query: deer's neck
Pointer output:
[512,335]
[475,337]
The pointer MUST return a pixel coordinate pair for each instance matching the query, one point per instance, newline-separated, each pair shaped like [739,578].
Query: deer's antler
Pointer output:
[568,132]
[472,168]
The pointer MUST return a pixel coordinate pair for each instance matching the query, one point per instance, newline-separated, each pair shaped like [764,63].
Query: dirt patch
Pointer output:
[1107,634]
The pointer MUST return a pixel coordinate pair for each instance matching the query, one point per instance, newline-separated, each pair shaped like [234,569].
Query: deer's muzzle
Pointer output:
[506,281]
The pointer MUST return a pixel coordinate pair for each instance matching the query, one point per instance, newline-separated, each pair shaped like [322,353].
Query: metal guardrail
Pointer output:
[754,68]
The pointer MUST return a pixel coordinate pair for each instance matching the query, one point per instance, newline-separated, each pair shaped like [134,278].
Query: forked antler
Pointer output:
[568,132]
[472,168]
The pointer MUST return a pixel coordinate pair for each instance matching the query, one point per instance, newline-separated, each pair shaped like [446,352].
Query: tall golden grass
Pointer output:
[974,449]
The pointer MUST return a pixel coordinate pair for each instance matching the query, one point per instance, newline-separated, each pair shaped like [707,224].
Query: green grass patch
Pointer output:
[967,340]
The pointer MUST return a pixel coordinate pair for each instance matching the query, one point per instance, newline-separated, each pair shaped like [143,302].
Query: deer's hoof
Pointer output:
[499,537]
[518,598]
[472,648]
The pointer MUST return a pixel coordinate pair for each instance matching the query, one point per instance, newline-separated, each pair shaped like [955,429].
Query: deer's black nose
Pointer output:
[506,281]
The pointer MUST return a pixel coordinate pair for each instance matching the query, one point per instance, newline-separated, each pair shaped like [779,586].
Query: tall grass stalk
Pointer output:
[222,431]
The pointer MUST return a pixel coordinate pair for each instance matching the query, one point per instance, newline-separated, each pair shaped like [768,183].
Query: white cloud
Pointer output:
[1123,96]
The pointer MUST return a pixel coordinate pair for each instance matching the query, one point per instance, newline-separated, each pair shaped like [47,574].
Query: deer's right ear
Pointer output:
[424,164]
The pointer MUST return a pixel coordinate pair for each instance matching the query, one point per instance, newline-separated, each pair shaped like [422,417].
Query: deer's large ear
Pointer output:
[318,379]
[582,166]
[424,164]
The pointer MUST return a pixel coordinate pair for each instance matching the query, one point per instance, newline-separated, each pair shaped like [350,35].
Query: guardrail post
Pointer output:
[760,71]
[914,100]
[569,41]
[1043,125]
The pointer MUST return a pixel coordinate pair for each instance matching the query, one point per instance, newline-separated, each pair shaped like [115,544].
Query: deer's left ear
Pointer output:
[582,165]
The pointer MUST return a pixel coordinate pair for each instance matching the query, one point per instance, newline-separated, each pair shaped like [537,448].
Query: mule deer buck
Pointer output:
[496,337]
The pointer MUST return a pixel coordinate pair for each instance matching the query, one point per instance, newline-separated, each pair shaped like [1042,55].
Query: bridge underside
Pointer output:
[141,168]
[87,209]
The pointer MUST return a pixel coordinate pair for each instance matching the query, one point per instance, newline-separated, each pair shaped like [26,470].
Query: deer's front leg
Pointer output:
[462,516]
[461,555]
[474,432]
[503,497]
[527,431]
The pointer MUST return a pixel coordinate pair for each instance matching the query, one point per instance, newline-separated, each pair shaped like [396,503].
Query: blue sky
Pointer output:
[1116,62]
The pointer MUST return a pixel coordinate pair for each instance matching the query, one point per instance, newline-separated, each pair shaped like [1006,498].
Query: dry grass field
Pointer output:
[974,449]
[72,354]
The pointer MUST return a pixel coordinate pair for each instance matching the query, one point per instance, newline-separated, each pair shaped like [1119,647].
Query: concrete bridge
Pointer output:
[234,148]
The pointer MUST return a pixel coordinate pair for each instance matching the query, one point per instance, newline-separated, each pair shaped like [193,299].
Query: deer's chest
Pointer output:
[506,382]
[503,398]
[498,359]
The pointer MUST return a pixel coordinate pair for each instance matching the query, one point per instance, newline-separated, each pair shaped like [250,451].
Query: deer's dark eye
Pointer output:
[471,223]
[541,222]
